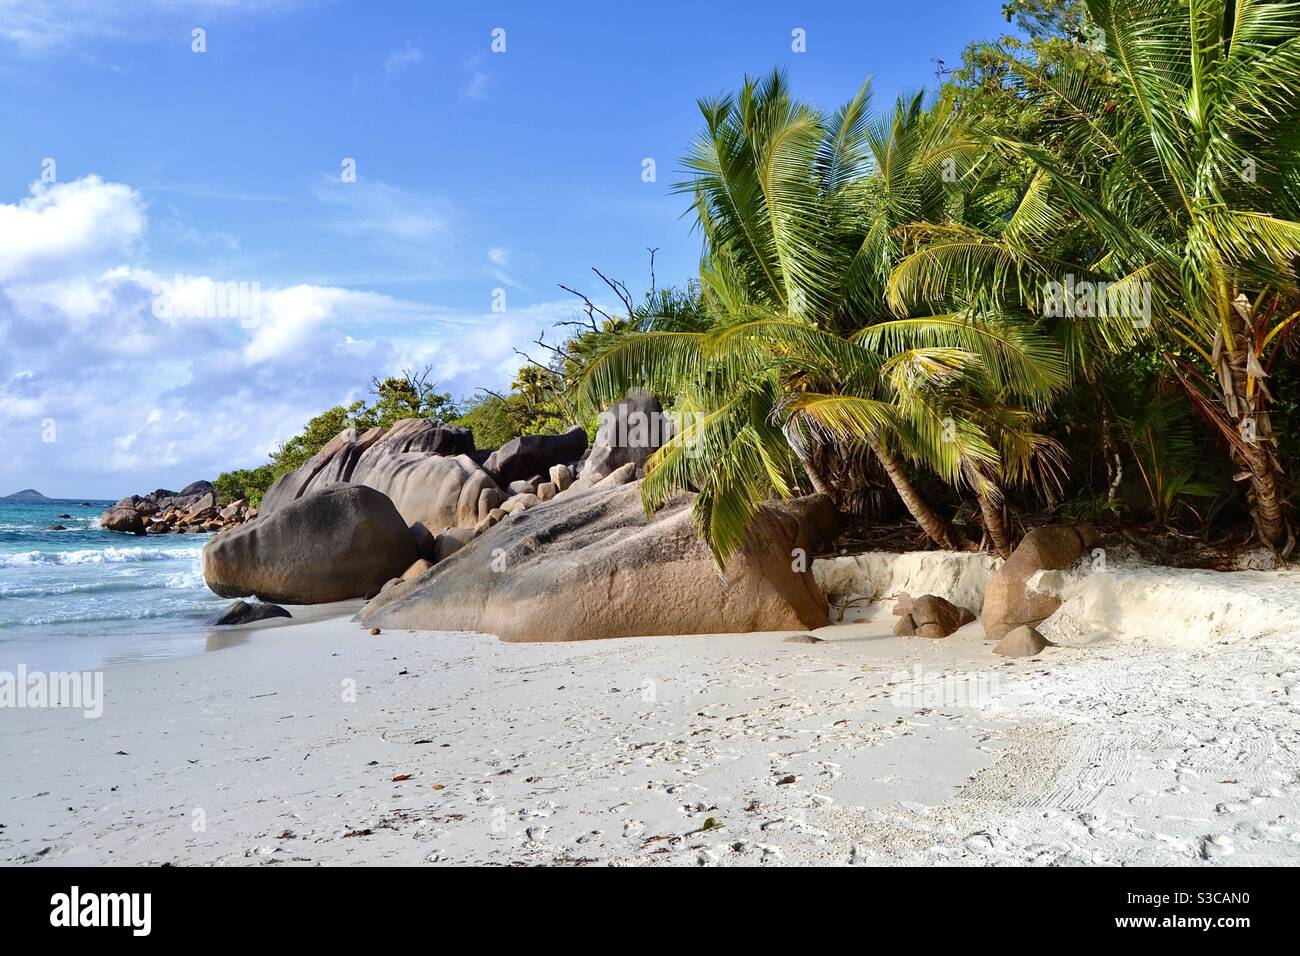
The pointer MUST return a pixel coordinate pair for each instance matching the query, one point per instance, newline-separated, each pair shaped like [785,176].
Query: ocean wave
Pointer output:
[27,559]
[56,616]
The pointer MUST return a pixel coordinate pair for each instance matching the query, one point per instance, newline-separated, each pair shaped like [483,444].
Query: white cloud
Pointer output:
[499,257]
[142,399]
[64,227]
[40,27]
[479,79]
[408,55]
[371,207]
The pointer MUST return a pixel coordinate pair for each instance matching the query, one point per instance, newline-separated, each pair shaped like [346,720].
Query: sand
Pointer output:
[1132,744]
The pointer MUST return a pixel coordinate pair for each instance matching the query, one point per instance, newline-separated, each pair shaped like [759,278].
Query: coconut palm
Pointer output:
[803,359]
[1195,200]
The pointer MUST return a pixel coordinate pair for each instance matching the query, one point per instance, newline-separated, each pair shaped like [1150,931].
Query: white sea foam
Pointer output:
[26,559]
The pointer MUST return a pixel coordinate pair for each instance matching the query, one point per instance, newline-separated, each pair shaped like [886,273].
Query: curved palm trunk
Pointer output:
[931,522]
[813,469]
[994,523]
[1256,453]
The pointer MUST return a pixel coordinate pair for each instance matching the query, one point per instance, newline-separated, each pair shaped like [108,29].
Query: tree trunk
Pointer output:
[938,529]
[812,468]
[1256,454]
[994,523]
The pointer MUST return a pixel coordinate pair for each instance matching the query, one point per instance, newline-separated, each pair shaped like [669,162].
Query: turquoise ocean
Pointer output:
[85,598]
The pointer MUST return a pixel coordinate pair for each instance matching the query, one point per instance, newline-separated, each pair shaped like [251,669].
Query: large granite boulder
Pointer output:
[145,505]
[123,519]
[522,458]
[332,465]
[629,431]
[413,436]
[1007,602]
[592,566]
[434,491]
[350,457]
[343,542]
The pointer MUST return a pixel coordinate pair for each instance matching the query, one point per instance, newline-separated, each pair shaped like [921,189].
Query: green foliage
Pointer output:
[1165,450]
[248,484]
[495,419]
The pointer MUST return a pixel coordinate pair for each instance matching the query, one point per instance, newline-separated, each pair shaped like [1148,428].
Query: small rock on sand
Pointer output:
[1022,641]
[241,612]
[803,639]
[928,616]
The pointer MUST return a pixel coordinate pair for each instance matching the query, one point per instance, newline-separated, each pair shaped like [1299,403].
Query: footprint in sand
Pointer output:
[1214,847]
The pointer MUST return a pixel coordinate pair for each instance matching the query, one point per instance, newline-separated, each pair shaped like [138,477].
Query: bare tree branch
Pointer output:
[589,307]
[620,290]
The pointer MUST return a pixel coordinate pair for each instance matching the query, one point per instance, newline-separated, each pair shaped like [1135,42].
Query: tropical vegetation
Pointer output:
[1062,285]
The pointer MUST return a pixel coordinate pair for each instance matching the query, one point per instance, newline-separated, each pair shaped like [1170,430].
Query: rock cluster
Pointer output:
[929,616]
[191,511]
[542,539]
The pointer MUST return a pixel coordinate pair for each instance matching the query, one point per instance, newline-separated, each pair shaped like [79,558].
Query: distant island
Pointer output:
[27,494]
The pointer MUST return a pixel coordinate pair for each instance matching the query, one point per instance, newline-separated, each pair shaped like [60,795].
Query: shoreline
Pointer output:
[285,750]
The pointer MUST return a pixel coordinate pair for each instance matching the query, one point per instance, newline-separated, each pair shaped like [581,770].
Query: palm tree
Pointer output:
[1194,201]
[799,213]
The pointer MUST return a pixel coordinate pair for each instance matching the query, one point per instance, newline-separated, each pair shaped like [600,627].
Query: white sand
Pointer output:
[1116,750]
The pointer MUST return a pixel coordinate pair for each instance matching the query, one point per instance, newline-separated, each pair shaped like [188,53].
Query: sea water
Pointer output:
[86,598]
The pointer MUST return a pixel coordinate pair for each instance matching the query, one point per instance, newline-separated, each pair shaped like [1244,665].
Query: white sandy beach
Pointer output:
[1113,751]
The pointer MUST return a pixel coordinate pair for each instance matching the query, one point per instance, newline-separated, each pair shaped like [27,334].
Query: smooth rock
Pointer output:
[488,500]
[1007,601]
[426,542]
[629,432]
[241,612]
[1022,641]
[592,566]
[452,540]
[416,569]
[934,616]
[534,454]
[123,519]
[333,545]
[561,476]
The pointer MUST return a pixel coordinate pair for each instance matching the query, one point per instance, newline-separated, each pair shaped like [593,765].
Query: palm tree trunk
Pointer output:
[934,525]
[812,468]
[1249,412]
[994,523]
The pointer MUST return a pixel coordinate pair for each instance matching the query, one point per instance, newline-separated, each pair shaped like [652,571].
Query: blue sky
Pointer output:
[476,171]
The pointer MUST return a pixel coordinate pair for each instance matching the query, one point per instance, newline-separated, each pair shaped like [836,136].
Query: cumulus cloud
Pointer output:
[61,228]
[139,390]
